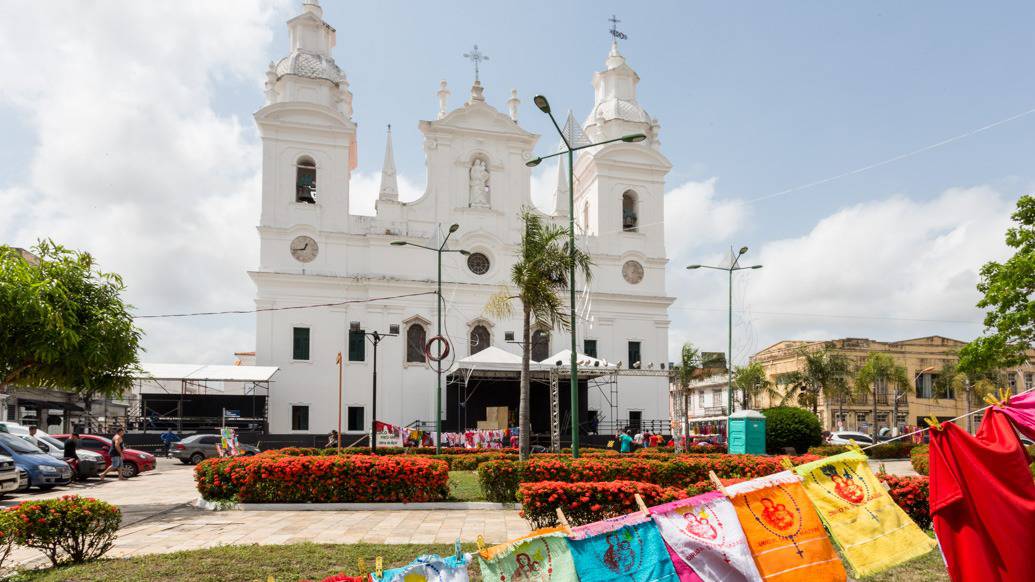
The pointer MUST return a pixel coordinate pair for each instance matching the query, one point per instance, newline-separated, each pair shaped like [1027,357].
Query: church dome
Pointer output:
[307,64]
[619,109]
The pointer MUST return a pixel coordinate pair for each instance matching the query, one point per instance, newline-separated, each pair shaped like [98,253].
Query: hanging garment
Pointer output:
[683,570]
[786,538]
[628,547]
[706,535]
[541,556]
[430,568]
[872,530]
[983,501]
[1021,410]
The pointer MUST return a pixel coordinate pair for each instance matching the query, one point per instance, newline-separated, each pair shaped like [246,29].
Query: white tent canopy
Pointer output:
[212,373]
[584,361]
[493,359]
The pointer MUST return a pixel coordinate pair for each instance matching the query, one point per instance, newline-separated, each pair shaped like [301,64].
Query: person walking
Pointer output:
[332,440]
[71,454]
[32,435]
[168,438]
[117,448]
[626,441]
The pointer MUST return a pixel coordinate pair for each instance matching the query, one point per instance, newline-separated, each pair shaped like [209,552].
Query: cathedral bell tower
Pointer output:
[308,143]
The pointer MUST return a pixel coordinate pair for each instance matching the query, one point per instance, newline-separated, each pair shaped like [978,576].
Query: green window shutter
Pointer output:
[357,346]
[300,349]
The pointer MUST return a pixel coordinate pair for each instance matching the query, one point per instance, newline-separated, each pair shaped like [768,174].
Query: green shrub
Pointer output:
[70,529]
[499,480]
[891,450]
[918,458]
[787,426]
[8,526]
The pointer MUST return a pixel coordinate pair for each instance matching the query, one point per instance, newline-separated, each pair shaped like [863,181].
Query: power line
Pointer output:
[287,308]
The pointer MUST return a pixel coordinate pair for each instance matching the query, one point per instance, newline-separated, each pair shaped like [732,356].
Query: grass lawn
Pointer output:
[463,486]
[289,563]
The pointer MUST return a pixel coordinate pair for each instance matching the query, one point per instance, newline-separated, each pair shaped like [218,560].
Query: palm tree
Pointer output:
[540,275]
[753,382]
[825,373]
[875,376]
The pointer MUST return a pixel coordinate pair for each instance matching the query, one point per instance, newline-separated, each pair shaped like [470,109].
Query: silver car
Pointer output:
[198,447]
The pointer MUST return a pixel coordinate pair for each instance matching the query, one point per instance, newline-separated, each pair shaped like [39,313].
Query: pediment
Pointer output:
[479,116]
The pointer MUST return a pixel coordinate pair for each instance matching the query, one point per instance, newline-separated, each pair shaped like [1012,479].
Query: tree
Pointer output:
[540,275]
[752,382]
[63,323]
[876,375]
[825,373]
[1009,291]
[978,370]
[690,363]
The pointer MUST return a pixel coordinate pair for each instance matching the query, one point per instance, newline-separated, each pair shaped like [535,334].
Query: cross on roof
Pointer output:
[614,29]
[476,57]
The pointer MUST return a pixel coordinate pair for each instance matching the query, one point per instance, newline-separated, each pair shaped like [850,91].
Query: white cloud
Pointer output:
[695,217]
[132,162]
[888,269]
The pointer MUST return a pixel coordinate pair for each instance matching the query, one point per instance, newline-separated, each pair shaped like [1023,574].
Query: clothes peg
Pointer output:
[933,423]
[379,567]
[481,542]
[718,484]
[362,565]
[458,550]
[785,461]
[564,520]
[641,504]
[270,578]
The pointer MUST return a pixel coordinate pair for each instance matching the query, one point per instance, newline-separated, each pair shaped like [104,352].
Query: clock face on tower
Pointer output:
[633,272]
[304,249]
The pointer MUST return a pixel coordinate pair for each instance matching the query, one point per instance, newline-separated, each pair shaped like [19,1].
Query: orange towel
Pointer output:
[786,538]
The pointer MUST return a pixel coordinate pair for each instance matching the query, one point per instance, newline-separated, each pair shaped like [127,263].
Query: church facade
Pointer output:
[314,251]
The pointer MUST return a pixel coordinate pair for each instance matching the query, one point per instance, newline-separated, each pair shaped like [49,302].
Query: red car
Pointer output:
[133,461]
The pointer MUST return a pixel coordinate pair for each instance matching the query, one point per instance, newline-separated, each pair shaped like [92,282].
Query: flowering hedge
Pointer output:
[587,502]
[323,479]
[500,479]
[69,529]
[900,449]
[911,494]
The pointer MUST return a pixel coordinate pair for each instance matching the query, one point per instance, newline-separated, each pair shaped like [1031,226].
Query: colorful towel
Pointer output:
[628,547]
[1021,410]
[872,530]
[430,568]
[541,556]
[683,570]
[706,535]
[783,531]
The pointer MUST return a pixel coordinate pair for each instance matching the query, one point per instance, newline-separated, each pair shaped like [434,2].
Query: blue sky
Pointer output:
[754,98]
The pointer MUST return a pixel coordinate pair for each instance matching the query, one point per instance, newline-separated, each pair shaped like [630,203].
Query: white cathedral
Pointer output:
[313,251]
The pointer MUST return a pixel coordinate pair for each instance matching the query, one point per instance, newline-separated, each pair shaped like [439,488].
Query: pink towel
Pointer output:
[1021,411]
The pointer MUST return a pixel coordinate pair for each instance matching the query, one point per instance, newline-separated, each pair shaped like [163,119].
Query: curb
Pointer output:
[431,506]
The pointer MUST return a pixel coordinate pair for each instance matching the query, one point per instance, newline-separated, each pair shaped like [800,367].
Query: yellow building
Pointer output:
[923,359]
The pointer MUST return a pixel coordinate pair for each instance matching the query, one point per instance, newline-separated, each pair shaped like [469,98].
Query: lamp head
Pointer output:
[465,253]
[541,103]
[454,228]
[399,243]
[634,138]
[353,326]
[693,267]
[743,250]
[534,162]
[756,266]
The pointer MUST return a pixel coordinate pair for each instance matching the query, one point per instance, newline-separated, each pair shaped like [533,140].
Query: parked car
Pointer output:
[23,479]
[134,462]
[844,437]
[8,475]
[88,463]
[44,471]
[198,447]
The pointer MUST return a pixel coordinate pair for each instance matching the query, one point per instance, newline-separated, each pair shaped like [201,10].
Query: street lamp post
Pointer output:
[734,266]
[438,365]
[375,337]
[569,150]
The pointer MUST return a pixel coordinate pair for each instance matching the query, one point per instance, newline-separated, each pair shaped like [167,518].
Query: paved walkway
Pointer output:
[157,518]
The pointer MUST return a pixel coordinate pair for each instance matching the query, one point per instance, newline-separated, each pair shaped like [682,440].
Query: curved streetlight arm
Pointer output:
[403,243]
[709,267]
[559,130]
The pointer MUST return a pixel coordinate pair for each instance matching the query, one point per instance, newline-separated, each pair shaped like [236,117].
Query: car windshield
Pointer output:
[17,445]
[50,441]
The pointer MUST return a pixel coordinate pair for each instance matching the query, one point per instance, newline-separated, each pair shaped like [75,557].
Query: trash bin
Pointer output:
[747,433]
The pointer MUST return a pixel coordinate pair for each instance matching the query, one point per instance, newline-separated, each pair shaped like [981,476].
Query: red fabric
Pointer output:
[983,501]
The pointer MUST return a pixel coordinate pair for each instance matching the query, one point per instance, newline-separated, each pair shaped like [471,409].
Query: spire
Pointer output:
[312,6]
[512,105]
[389,185]
[443,98]
[560,195]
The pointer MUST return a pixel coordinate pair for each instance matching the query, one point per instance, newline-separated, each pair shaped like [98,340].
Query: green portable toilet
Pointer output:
[747,433]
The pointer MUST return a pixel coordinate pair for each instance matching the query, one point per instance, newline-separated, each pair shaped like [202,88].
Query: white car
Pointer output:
[90,465]
[844,437]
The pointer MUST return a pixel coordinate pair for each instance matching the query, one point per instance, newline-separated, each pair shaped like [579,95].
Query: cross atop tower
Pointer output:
[615,33]
[476,57]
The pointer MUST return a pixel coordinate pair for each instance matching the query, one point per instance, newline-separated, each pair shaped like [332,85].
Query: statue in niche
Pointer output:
[479,184]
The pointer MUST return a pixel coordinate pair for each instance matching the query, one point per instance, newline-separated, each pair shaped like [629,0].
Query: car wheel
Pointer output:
[197,458]
[249,454]
[185,461]
[130,470]
[45,487]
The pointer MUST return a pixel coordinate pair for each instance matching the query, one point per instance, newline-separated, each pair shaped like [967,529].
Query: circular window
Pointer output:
[633,272]
[478,263]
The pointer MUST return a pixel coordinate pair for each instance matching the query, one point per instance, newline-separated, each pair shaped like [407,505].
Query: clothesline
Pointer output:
[902,436]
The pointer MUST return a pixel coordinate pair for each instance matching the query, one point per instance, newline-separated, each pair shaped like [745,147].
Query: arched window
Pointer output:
[630,210]
[416,339]
[305,180]
[540,345]
[480,338]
